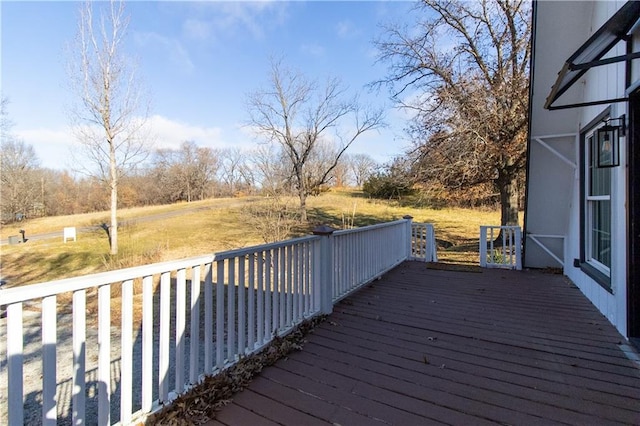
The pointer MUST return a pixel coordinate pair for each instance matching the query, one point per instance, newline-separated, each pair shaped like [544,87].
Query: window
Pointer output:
[598,208]
[596,212]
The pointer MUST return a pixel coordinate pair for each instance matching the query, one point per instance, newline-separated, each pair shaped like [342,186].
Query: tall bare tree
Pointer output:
[184,174]
[5,121]
[362,166]
[196,168]
[19,166]
[235,173]
[111,109]
[270,170]
[297,113]
[463,71]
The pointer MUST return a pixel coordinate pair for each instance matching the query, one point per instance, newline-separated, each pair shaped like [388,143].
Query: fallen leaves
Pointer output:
[200,404]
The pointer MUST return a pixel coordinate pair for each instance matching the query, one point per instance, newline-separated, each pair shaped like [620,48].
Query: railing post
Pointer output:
[518,248]
[325,286]
[409,232]
[431,254]
[483,246]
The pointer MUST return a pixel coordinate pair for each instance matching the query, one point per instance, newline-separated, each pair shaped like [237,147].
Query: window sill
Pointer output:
[603,280]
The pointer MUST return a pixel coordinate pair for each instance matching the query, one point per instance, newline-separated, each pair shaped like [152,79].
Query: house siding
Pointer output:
[553,191]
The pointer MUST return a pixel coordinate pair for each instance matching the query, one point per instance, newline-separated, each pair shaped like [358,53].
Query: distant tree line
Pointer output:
[188,173]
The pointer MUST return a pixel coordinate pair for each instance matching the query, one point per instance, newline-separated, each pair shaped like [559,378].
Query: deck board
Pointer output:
[425,346]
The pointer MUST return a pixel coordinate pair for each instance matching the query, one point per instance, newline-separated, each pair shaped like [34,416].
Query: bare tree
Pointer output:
[20,171]
[5,121]
[271,170]
[341,174]
[196,168]
[184,174]
[362,166]
[235,172]
[111,111]
[296,114]
[274,218]
[463,71]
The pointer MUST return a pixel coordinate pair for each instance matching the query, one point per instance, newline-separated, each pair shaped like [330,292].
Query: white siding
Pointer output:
[553,187]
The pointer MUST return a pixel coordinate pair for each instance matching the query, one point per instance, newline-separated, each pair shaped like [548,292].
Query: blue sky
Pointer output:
[198,61]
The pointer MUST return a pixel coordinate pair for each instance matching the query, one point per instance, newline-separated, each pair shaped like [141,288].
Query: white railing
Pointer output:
[362,256]
[423,242]
[501,247]
[115,346]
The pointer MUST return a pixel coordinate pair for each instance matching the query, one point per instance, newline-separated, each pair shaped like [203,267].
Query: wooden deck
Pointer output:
[424,346]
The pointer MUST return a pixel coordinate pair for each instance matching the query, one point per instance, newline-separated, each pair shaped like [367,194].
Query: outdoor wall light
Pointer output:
[609,142]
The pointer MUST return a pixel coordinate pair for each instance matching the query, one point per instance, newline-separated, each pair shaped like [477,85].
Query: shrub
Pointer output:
[387,186]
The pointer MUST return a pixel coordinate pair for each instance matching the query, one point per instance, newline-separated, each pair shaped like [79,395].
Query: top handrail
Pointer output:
[254,249]
[50,288]
[44,289]
[24,293]
[369,227]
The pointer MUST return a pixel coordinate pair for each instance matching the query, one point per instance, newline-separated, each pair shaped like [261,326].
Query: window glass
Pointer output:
[600,179]
[597,221]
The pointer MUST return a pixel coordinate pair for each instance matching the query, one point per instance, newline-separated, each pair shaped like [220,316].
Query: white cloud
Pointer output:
[254,16]
[346,29]
[231,17]
[56,136]
[312,49]
[52,146]
[171,133]
[168,47]
[197,29]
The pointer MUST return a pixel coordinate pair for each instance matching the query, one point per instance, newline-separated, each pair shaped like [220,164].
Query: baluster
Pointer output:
[194,331]
[147,343]
[242,299]
[14,363]
[208,318]
[231,310]
[220,315]
[261,319]
[267,295]
[79,356]
[276,291]
[181,327]
[251,326]
[49,326]
[163,350]
[104,355]
[295,289]
[284,267]
[126,354]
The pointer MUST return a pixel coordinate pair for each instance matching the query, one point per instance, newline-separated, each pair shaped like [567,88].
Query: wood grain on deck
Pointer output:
[424,346]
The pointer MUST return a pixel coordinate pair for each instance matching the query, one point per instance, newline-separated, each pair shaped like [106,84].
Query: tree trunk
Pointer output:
[508,187]
[303,205]
[113,234]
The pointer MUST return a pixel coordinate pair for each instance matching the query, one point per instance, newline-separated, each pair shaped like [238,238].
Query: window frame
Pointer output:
[590,265]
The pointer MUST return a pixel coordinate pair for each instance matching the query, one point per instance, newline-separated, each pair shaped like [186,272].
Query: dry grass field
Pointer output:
[159,233]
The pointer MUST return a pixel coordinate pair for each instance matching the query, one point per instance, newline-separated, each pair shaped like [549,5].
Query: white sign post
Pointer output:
[69,233]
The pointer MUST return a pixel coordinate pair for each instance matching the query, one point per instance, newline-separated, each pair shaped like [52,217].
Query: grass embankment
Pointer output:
[211,226]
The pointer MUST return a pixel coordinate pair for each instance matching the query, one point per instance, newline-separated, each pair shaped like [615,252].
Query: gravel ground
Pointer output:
[64,357]
[33,366]
[32,370]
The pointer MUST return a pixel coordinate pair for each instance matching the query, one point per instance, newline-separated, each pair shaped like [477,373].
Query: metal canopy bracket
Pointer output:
[591,52]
